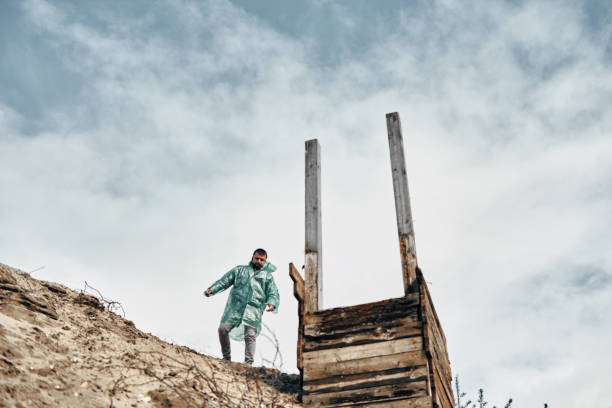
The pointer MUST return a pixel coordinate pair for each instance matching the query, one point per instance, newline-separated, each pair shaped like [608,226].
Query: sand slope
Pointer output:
[62,348]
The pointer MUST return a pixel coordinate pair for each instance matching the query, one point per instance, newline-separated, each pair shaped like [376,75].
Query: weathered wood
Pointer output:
[377,391]
[340,382]
[375,380]
[385,354]
[434,327]
[434,344]
[435,348]
[361,314]
[298,282]
[418,402]
[393,330]
[312,283]
[313,249]
[317,371]
[377,327]
[434,338]
[362,351]
[432,317]
[442,389]
[427,296]
[300,341]
[381,306]
[363,324]
[298,292]
[403,212]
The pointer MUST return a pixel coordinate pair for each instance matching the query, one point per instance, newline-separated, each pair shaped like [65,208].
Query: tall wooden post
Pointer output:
[402,202]
[313,250]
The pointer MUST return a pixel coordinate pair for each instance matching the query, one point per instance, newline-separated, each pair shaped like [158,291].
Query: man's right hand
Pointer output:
[208,292]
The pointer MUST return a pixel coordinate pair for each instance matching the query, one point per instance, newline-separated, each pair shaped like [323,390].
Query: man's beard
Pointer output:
[256,266]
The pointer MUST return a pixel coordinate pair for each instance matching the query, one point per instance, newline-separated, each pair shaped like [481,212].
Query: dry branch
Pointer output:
[110,305]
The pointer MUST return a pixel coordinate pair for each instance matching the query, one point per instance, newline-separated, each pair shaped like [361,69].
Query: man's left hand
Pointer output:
[270,307]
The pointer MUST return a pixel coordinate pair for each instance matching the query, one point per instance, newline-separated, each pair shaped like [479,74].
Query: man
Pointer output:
[254,289]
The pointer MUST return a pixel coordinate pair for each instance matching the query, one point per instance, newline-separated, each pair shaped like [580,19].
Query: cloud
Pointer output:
[546,347]
[182,151]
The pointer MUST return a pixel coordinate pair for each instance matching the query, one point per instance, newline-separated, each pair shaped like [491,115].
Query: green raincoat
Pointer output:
[247,299]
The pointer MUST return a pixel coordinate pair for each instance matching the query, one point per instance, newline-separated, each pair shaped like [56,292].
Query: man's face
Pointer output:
[258,260]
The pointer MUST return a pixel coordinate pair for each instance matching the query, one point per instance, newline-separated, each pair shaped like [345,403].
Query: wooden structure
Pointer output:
[390,353]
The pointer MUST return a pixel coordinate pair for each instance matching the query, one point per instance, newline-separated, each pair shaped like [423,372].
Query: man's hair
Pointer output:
[261,251]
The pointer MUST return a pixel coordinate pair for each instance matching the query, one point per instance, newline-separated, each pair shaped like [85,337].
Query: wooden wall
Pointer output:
[434,343]
[390,353]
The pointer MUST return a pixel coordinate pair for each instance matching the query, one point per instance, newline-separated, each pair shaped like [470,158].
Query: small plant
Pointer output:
[482,403]
[460,395]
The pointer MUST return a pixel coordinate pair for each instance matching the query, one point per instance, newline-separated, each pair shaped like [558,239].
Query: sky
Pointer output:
[147,147]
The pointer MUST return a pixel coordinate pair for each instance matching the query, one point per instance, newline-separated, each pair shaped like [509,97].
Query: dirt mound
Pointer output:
[63,348]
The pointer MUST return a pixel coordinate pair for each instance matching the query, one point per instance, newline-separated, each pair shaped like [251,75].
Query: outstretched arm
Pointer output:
[225,282]
[272,297]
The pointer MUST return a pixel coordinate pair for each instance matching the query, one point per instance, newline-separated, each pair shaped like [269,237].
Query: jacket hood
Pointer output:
[269,267]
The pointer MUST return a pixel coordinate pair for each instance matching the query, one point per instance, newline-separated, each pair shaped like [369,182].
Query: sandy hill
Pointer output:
[64,348]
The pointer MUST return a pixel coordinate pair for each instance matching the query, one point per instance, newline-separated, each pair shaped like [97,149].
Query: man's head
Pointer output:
[259,258]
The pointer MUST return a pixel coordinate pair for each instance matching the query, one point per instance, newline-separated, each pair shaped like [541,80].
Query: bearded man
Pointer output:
[253,289]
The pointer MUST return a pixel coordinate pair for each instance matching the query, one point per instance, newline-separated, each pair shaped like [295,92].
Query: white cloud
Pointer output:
[185,153]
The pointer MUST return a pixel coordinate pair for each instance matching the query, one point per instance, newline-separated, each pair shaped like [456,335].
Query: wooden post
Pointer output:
[402,202]
[298,292]
[313,250]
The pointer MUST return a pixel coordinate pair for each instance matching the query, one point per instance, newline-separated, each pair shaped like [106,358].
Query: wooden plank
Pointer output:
[362,351]
[382,324]
[435,333]
[389,331]
[317,371]
[298,282]
[312,283]
[435,341]
[300,340]
[435,324]
[436,387]
[418,402]
[429,368]
[388,390]
[298,292]
[442,390]
[374,382]
[403,211]
[343,382]
[364,316]
[427,294]
[360,314]
[436,401]
[404,301]
[313,248]
[435,345]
